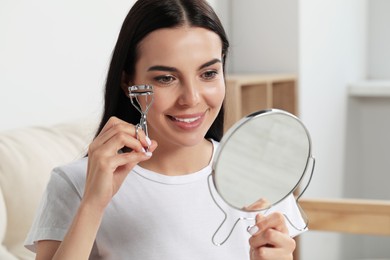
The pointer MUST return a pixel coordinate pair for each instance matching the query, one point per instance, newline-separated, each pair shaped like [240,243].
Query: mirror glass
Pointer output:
[263,157]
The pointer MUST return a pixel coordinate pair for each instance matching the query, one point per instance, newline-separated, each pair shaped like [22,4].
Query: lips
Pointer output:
[188,121]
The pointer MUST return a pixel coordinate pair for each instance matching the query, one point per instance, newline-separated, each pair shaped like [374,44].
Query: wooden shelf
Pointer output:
[247,93]
[354,216]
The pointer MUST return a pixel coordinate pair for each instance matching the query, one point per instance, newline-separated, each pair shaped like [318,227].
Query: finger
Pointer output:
[255,229]
[272,238]
[115,124]
[112,121]
[112,146]
[275,220]
[135,132]
[115,129]
[271,253]
[116,164]
[123,132]
[104,177]
[126,161]
[153,146]
[142,137]
[258,205]
[269,230]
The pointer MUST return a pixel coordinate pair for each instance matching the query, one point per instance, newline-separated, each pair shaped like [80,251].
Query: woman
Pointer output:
[153,202]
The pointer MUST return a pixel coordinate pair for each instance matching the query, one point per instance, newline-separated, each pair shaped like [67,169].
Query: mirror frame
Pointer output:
[231,131]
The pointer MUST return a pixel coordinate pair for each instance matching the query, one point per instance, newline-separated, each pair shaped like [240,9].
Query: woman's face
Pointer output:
[184,65]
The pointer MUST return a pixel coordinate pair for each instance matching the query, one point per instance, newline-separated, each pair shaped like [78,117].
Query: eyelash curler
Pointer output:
[135,94]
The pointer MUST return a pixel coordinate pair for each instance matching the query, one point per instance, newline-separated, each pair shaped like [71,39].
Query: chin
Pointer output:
[190,141]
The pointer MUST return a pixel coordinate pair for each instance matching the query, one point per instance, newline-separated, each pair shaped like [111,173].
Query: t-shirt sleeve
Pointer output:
[55,211]
[295,219]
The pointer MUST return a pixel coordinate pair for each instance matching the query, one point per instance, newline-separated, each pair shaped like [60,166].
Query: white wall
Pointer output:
[264,36]
[379,40]
[332,54]
[367,166]
[53,58]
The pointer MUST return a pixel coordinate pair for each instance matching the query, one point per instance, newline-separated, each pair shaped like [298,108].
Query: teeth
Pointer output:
[187,120]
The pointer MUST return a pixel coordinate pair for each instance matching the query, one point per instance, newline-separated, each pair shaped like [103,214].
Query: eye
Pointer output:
[210,74]
[165,79]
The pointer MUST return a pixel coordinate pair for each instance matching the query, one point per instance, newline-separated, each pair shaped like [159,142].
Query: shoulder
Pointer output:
[74,168]
[72,175]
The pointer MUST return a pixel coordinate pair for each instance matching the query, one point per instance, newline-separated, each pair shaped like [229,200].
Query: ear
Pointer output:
[125,83]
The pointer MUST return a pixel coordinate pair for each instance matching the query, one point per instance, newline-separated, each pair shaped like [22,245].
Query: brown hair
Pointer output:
[144,17]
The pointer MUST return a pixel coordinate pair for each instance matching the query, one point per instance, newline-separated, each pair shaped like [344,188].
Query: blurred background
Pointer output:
[54,56]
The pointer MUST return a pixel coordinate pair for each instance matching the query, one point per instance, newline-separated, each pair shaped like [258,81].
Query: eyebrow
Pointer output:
[173,69]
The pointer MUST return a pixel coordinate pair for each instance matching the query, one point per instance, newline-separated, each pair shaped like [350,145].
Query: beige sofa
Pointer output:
[27,156]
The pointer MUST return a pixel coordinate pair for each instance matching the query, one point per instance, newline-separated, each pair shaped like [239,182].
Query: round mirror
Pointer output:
[261,160]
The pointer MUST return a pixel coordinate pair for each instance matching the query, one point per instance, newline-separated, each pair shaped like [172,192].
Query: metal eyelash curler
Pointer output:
[135,93]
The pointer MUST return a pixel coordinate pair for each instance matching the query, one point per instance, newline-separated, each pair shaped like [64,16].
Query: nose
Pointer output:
[190,94]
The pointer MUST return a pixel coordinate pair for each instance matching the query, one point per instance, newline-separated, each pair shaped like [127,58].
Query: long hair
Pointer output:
[143,18]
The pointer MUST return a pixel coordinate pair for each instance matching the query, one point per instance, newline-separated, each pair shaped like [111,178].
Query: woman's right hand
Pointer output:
[106,171]
[107,167]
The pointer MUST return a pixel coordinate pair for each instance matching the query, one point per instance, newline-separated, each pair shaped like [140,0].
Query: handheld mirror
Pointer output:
[260,161]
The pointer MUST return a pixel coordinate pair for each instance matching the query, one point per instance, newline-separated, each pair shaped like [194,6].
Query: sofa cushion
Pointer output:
[4,253]
[27,156]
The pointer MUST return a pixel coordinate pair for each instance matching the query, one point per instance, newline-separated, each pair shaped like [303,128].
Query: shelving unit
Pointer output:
[247,93]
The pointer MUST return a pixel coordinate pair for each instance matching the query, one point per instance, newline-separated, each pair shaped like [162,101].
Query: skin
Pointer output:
[271,241]
[185,67]
[188,82]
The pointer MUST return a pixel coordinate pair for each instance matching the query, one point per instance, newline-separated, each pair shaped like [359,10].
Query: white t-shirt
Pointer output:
[153,216]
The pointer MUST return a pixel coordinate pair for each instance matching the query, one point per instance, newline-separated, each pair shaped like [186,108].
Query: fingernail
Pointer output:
[252,230]
[148,141]
[148,154]
[143,150]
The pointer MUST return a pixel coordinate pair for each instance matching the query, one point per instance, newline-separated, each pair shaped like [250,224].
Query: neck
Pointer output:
[174,161]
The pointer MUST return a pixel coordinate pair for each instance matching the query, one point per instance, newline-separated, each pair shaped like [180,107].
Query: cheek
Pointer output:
[215,96]
[160,103]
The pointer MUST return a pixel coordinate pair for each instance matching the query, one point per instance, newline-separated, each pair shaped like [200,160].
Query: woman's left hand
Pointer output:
[270,238]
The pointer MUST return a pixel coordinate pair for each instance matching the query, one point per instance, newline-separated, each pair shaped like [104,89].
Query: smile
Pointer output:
[186,120]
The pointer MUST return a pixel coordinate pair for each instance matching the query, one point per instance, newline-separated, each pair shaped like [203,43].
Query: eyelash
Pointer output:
[163,79]
[168,79]
[213,72]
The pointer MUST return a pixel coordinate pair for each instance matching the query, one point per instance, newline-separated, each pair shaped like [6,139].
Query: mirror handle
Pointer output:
[224,219]
[312,159]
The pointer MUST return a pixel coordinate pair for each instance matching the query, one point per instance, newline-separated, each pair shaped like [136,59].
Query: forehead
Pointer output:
[182,43]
